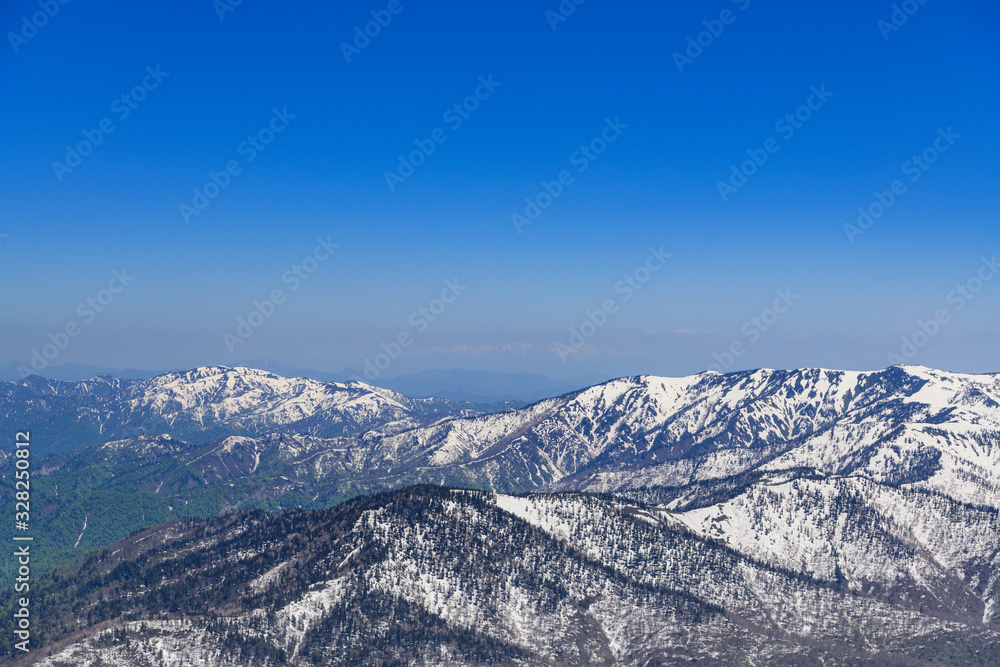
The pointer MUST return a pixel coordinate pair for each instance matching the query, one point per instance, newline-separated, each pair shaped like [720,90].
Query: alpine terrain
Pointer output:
[233,517]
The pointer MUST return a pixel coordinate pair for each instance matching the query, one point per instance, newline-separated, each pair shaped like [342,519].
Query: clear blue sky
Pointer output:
[656,184]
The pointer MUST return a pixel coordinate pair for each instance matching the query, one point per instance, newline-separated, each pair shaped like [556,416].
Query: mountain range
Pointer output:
[475,386]
[781,517]
[207,403]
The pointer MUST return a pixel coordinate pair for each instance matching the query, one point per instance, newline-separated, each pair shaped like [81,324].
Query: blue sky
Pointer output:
[888,95]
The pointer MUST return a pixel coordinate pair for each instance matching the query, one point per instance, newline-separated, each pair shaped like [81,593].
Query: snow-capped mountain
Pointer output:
[785,517]
[207,403]
[435,576]
[652,436]
[690,442]
[253,401]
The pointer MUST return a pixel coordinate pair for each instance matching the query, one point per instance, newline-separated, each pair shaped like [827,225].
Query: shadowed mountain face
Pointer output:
[435,576]
[798,515]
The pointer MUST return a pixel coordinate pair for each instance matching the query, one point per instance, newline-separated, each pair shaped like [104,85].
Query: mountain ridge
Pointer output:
[799,515]
[474,578]
[207,402]
[264,441]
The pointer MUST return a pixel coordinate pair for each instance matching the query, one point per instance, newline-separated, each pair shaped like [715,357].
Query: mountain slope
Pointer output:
[459,577]
[903,425]
[899,545]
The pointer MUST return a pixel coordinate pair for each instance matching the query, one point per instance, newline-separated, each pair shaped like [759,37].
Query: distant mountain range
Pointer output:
[802,517]
[456,385]
[208,403]
[73,372]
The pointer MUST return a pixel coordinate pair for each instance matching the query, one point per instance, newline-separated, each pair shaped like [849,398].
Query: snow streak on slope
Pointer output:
[892,543]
